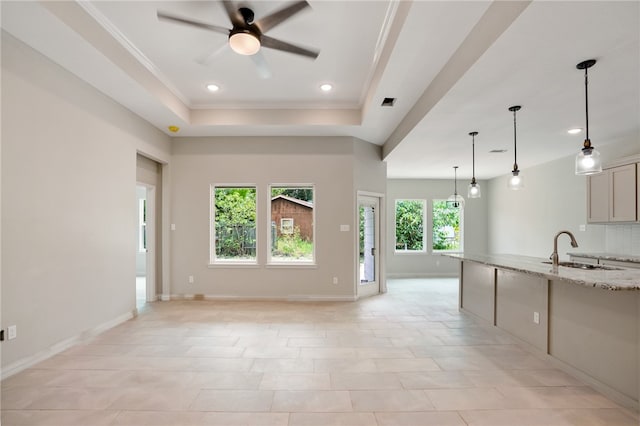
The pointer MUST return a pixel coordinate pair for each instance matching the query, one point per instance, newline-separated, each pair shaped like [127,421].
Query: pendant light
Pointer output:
[588,159]
[515,181]
[455,200]
[474,187]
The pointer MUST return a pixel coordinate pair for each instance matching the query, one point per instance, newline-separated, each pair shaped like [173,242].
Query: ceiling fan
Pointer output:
[247,35]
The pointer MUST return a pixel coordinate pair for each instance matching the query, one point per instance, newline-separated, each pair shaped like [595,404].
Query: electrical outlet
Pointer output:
[12,332]
[583,228]
[191,279]
[335,280]
[536,317]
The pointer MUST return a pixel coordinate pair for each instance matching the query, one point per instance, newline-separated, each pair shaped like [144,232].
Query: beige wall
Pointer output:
[524,222]
[429,264]
[68,204]
[327,163]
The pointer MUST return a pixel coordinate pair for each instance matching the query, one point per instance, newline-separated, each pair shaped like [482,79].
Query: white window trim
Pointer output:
[424,228]
[213,261]
[292,263]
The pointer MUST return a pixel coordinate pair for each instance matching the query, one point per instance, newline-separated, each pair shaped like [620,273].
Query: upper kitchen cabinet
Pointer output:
[612,196]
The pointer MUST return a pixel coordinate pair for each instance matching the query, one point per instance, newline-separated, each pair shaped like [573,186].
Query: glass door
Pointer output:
[368,283]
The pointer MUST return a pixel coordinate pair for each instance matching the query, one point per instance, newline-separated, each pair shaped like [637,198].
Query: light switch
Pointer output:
[173,226]
[344,228]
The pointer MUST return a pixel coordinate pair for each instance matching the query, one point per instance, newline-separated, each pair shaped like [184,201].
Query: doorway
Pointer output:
[145,255]
[368,282]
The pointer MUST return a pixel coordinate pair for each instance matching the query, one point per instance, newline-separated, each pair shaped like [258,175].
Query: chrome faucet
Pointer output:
[554,255]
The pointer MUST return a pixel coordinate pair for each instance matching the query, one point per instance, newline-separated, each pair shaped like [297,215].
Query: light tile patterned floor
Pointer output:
[405,358]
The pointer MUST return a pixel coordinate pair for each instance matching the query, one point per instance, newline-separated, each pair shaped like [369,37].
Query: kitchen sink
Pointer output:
[578,265]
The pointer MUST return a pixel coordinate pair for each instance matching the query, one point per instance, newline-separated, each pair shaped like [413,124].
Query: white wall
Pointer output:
[327,163]
[69,209]
[429,264]
[524,222]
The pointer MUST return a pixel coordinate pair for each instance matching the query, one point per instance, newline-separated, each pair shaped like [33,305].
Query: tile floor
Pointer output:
[404,358]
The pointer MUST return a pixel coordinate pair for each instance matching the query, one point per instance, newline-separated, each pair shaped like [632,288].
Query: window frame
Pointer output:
[271,262]
[213,259]
[424,227]
[460,249]
[288,227]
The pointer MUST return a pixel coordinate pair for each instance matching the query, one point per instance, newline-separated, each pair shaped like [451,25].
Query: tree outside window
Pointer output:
[447,226]
[410,225]
[234,224]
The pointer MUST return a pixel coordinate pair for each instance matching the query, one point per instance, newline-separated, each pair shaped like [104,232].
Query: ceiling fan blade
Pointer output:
[209,57]
[232,13]
[261,65]
[273,43]
[267,22]
[185,21]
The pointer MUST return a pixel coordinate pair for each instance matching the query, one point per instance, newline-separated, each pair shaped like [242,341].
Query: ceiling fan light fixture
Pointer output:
[588,159]
[244,42]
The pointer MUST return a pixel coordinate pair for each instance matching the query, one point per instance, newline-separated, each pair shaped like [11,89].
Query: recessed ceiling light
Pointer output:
[213,87]
[326,87]
[574,131]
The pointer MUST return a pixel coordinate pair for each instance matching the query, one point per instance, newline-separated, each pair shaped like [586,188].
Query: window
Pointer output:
[292,207]
[410,226]
[286,226]
[447,227]
[142,225]
[233,225]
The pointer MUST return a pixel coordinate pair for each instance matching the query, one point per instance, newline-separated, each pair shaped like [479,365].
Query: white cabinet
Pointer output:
[622,194]
[598,198]
[612,196]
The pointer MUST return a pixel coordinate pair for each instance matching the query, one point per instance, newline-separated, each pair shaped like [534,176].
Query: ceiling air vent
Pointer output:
[388,102]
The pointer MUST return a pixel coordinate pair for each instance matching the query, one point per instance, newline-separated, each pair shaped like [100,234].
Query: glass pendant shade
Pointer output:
[474,190]
[588,159]
[455,200]
[588,162]
[515,181]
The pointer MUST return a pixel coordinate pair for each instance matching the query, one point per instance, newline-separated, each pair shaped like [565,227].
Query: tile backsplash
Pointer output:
[623,239]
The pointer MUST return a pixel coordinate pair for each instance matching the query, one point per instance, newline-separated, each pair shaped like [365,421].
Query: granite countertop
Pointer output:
[619,279]
[608,256]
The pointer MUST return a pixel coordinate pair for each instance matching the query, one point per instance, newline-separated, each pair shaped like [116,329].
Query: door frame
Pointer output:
[380,243]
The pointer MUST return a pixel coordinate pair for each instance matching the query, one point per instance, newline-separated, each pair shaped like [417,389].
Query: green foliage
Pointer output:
[304,194]
[235,222]
[445,219]
[409,225]
[293,246]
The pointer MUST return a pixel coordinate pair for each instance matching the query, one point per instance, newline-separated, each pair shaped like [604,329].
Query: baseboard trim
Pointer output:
[165,297]
[63,345]
[423,275]
[289,298]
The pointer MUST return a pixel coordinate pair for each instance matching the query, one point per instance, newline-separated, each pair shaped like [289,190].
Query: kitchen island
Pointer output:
[586,321]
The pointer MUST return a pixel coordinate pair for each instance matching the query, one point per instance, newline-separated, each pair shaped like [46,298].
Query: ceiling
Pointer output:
[453,67]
